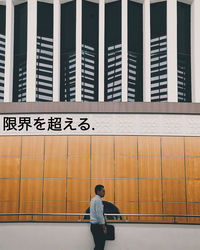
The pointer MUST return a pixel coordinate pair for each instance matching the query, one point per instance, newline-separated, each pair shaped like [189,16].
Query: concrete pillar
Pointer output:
[8,87]
[195,50]
[124,34]
[78,48]
[31,51]
[172,80]
[56,50]
[101,48]
[146,52]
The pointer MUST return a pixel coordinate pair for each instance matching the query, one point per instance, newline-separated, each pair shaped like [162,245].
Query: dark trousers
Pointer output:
[98,235]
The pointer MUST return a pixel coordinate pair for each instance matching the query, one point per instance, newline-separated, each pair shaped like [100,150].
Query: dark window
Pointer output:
[44,67]
[158,52]
[184,56]
[90,32]
[20,53]
[2,49]
[68,51]
[135,52]
[113,52]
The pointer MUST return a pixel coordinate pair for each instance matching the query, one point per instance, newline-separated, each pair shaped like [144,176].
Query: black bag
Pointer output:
[110,232]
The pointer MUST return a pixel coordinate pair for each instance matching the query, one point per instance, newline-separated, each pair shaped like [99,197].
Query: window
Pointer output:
[90,32]
[68,51]
[135,51]
[184,54]
[20,53]
[113,52]
[158,52]
[44,61]
[2,49]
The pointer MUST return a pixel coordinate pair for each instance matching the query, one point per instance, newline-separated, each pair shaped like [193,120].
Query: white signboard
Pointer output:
[100,124]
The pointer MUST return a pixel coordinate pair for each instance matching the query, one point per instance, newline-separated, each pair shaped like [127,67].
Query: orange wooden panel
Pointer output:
[33,145]
[149,167]
[55,167]
[10,145]
[174,209]
[149,145]
[193,209]
[31,189]
[174,190]
[173,168]
[193,190]
[32,167]
[78,189]
[9,189]
[76,207]
[79,145]
[54,207]
[55,145]
[30,207]
[192,146]
[79,166]
[126,145]
[102,145]
[55,190]
[9,207]
[126,167]
[150,208]
[150,190]
[172,146]
[108,185]
[102,167]
[128,208]
[126,190]
[9,167]
[192,168]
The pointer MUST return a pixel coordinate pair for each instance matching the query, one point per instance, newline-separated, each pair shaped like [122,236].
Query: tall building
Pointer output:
[99,92]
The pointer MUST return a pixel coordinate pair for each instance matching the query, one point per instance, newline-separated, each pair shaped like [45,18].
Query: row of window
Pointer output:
[90,54]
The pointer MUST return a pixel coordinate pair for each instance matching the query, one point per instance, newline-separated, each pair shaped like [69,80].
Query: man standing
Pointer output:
[98,227]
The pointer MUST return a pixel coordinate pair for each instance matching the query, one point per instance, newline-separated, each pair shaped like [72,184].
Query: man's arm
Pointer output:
[100,216]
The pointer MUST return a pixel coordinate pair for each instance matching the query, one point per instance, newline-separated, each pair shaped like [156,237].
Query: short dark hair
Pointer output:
[98,188]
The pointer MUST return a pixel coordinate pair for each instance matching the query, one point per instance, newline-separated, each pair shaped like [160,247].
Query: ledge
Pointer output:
[100,107]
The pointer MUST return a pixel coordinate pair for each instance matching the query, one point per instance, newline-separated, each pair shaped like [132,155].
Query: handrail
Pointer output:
[87,214]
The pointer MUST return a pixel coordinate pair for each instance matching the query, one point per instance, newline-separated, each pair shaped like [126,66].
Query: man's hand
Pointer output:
[105,230]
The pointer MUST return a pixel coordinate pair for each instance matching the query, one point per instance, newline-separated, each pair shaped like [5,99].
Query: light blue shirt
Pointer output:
[96,211]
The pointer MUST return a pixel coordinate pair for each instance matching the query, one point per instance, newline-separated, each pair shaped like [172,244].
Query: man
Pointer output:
[98,227]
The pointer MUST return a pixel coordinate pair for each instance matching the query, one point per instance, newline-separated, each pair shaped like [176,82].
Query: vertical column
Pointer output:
[172,87]
[8,88]
[31,51]
[146,52]
[195,50]
[101,49]
[56,50]
[124,34]
[78,48]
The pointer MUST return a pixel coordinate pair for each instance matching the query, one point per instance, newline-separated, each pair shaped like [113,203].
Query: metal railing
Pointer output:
[116,218]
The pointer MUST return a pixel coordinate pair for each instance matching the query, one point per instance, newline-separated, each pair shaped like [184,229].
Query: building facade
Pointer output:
[99,92]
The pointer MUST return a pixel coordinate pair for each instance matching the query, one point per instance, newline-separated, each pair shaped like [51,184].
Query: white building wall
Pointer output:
[73,236]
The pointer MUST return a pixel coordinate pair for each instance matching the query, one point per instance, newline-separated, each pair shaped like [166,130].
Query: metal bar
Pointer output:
[82,214]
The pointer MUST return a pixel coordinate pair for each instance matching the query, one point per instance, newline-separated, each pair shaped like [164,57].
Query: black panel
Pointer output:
[20,53]
[68,53]
[184,54]
[2,49]
[135,52]
[90,28]
[113,52]
[44,67]
[158,52]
